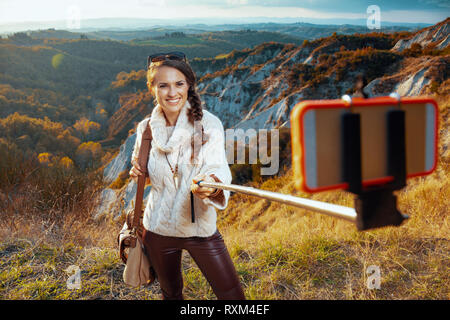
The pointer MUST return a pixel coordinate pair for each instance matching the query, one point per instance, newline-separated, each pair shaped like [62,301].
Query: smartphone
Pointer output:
[317,143]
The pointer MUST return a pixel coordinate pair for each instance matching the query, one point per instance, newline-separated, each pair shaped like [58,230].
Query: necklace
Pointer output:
[174,172]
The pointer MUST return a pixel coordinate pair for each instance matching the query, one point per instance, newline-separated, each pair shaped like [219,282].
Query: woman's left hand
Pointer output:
[202,192]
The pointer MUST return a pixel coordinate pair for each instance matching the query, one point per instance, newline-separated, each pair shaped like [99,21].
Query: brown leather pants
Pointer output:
[209,253]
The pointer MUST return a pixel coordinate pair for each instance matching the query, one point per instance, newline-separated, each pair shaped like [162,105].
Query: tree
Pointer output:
[414,51]
[88,154]
[66,163]
[45,159]
[21,37]
[101,115]
[86,129]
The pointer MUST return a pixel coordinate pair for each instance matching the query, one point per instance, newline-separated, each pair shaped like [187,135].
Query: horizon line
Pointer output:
[210,18]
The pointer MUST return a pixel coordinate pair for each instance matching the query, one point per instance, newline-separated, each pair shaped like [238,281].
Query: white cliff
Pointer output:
[437,34]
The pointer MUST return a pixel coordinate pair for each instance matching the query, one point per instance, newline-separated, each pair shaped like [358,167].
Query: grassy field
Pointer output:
[280,252]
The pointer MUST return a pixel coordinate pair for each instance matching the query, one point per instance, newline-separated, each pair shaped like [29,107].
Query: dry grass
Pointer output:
[280,252]
[288,253]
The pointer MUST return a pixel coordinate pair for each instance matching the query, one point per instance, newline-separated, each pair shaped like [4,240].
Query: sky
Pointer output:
[415,11]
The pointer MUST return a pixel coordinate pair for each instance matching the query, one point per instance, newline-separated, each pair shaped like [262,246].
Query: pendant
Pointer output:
[175,180]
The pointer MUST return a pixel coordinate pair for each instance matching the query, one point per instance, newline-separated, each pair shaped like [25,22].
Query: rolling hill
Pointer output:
[55,217]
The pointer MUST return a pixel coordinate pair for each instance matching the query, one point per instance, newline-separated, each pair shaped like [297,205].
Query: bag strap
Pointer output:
[144,152]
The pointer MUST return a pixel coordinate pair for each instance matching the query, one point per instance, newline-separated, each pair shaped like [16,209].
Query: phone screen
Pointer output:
[317,141]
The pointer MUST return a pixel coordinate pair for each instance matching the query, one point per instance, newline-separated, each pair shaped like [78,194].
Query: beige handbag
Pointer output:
[138,270]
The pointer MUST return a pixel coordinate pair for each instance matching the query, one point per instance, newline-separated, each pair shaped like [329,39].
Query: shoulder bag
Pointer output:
[138,270]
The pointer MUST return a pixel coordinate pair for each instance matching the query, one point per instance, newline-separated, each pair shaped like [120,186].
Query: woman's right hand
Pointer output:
[136,170]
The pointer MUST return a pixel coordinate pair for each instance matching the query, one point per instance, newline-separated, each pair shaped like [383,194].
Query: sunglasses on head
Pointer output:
[176,55]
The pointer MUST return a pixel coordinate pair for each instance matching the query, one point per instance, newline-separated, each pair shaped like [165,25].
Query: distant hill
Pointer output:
[222,41]
[143,34]
[207,24]
[312,31]
[297,30]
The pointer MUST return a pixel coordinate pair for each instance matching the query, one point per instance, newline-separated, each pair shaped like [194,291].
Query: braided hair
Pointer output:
[195,113]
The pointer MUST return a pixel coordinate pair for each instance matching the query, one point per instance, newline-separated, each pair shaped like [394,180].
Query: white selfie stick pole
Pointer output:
[333,210]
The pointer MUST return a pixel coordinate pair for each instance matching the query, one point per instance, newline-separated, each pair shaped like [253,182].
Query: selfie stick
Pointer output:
[375,206]
[333,210]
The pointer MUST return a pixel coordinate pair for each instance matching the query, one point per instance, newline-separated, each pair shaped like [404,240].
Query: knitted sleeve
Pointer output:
[215,161]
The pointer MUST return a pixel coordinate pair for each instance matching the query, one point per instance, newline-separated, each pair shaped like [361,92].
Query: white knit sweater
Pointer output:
[168,210]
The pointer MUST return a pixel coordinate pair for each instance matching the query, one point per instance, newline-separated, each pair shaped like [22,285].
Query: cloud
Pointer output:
[429,11]
[355,5]
[351,6]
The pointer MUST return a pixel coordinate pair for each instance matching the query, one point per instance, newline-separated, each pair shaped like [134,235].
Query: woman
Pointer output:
[187,146]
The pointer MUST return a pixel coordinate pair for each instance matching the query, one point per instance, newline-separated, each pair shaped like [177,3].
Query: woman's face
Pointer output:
[170,89]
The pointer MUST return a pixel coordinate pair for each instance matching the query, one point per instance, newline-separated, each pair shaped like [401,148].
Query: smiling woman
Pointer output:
[180,214]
